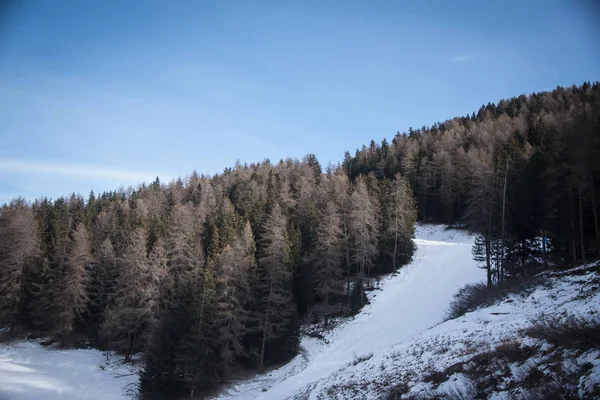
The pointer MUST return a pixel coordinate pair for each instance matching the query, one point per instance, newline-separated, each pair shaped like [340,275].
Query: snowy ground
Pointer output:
[457,341]
[29,371]
[398,340]
[408,304]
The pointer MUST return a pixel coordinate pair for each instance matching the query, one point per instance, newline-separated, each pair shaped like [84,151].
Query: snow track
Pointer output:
[408,304]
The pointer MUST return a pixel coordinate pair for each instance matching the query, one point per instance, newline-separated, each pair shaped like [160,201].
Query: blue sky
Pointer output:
[98,94]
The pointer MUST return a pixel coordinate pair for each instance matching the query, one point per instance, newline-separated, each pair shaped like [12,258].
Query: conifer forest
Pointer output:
[208,276]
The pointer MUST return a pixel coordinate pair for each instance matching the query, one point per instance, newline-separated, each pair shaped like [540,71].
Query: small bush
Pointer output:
[571,332]
[512,351]
[561,385]
[469,298]
[472,296]
[436,377]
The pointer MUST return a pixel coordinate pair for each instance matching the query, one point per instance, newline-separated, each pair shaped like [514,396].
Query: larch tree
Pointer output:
[19,254]
[403,215]
[340,195]
[72,299]
[192,306]
[482,212]
[232,290]
[328,258]
[134,306]
[274,282]
[364,227]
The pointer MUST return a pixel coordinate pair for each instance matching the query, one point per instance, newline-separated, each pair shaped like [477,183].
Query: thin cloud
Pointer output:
[75,171]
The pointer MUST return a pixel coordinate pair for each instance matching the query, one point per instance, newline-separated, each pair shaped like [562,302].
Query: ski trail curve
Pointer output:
[408,303]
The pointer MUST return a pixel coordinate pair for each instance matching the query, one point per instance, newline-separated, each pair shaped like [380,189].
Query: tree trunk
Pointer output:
[498,279]
[488,252]
[545,257]
[347,261]
[574,247]
[362,276]
[488,261]
[582,238]
[501,267]
[523,246]
[395,242]
[596,227]
[127,352]
[133,345]
[264,338]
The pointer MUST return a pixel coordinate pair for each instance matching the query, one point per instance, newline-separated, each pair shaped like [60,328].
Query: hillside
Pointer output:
[398,347]
[244,258]
[405,305]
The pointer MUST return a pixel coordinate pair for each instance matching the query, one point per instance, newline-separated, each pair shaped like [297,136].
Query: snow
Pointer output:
[29,371]
[398,338]
[408,303]
[457,340]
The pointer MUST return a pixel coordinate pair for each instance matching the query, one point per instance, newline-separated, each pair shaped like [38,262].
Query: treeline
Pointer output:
[522,173]
[204,275]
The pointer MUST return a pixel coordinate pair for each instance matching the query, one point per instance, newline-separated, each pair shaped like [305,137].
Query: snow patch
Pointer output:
[29,371]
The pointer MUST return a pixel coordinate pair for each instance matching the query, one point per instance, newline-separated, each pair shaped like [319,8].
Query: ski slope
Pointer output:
[396,340]
[408,304]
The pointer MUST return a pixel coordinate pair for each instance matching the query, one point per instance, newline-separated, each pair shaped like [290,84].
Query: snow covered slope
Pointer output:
[485,352]
[29,371]
[409,303]
[398,342]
